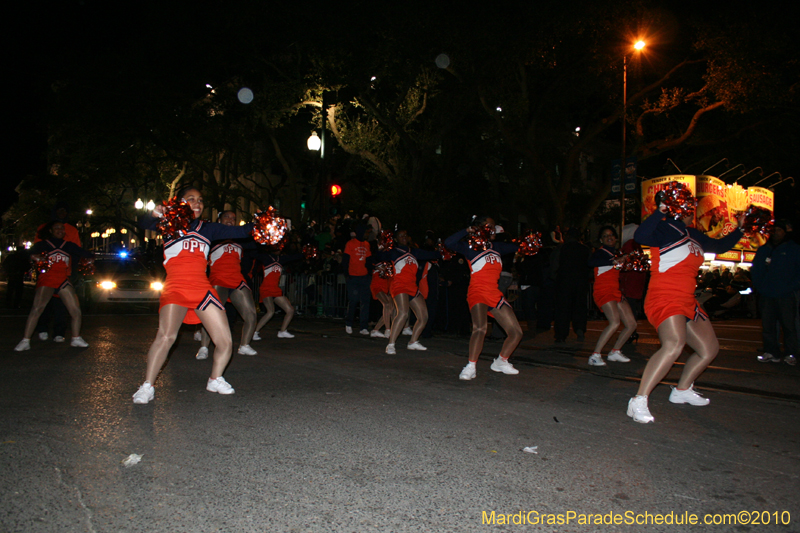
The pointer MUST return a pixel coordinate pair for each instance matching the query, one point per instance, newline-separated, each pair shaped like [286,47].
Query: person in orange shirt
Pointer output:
[356,269]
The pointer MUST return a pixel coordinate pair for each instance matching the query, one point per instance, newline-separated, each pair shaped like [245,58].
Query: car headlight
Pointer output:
[107,285]
[157,286]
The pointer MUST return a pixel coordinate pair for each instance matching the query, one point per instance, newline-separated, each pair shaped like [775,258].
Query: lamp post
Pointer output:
[316,143]
[623,164]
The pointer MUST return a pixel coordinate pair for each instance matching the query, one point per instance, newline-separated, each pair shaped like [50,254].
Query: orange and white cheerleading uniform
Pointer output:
[405,261]
[225,262]
[273,269]
[379,285]
[485,268]
[186,261]
[423,281]
[676,253]
[59,253]
[606,277]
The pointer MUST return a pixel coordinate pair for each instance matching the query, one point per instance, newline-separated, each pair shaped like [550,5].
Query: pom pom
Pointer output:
[269,227]
[385,269]
[178,215]
[310,252]
[529,243]
[679,200]
[86,266]
[386,241]
[636,261]
[43,265]
[480,237]
[447,255]
[758,221]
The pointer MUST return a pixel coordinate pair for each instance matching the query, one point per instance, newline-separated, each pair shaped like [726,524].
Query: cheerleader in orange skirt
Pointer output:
[271,294]
[608,297]
[55,281]
[676,253]
[226,277]
[188,296]
[380,289]
[484,298]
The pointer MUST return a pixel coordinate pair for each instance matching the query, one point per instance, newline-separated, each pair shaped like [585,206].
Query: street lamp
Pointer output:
[138,204]
[638,46]
[314,143]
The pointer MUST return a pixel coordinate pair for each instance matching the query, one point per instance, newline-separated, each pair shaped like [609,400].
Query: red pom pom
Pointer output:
[447,255]
[269,227]
[385,269]
[386,241]
[310,252]
[679,200]
[43,265]
[480,238]
[86,266]
[178,215]
[529,243]
[758,220]
[636,261]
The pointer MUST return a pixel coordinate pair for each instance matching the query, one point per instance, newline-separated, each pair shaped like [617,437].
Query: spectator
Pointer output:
[572,286]
[357,272]
[776,279]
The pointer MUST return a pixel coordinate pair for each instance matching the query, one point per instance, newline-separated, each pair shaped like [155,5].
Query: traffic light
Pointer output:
[336,190]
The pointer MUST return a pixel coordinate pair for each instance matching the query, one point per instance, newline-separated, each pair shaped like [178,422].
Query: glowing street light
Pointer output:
[314,143]
[151,205]
[139,204]
[638,46]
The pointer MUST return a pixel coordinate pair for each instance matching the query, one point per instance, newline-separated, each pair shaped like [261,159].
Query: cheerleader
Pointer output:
[226,277]
[608,297]
[404,290]
[676,253]
[271,294]
[484,299]
[380,289]
[55,281]
[188,295]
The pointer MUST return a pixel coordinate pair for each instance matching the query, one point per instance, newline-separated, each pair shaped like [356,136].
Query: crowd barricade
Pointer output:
[322,295]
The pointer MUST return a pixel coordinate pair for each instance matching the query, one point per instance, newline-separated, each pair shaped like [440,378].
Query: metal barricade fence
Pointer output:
[322,295]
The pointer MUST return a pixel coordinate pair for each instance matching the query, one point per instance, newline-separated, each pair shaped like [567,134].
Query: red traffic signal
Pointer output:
[336,190]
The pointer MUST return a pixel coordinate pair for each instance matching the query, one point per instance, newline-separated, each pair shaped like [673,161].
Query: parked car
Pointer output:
[120,279]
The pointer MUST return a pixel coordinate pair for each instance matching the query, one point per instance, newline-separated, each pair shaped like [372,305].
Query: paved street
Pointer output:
[326,433]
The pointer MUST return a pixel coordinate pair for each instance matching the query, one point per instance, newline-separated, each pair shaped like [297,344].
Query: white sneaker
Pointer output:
[387,333]
[198,336]
[78,342]
[390,349]
[596,360]
[768,358]
[219,385]
[202,353]
[145,394]
[469,372]
[637,409]
[256,336]
[408,331]
[58,338]
[687,396]
[364,332]
[43,336]
[245,349]
[617,357]
[24,344]
[375,333]
[285,335]
[416,346]
[348,330]
[502,365]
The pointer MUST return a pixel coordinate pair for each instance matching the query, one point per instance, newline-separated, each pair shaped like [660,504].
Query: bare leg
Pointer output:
[701,337]
[626,314]
[269,303]
[421,312]
[508,321]
[205,339]
[479,313]
[169,322]
[284,303]
[70,300]
[40,299]
[612,312]
[401,302]
[672,334]
[243,302]
[216,323]
[388,310]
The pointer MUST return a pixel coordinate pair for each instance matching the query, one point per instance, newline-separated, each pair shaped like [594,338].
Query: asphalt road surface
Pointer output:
[327,433]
